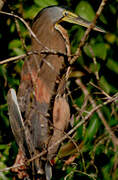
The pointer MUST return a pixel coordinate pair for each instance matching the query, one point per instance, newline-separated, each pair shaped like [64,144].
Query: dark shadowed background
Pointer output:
[98,64]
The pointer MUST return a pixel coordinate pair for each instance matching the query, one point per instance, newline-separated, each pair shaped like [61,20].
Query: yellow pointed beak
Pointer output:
[75,19]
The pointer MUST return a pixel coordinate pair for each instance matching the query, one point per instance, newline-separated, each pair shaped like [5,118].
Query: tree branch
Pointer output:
[112,99]
[82,42]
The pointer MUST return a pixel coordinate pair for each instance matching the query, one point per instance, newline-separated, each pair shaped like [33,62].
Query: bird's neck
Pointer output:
[65,36]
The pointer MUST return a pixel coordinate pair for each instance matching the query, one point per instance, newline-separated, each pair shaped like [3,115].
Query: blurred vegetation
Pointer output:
[98,64]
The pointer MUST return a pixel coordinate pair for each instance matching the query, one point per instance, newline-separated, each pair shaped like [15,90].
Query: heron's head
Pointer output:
[57,14]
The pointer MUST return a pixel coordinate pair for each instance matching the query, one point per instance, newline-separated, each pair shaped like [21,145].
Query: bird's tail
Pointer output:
[20,131]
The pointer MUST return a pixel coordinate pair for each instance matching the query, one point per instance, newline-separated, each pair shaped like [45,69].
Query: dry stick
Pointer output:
[94,61]
[47,50]
[27,26]
[25,48]
[69,137]
[112,99]
[19,33]
[17,57]
[72,61]
[84,89]
[24,56]
[77,54]
[102,91]
[20,56]
[82,42]
[52,51]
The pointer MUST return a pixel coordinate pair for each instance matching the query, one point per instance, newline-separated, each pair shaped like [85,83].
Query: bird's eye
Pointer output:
[65,13]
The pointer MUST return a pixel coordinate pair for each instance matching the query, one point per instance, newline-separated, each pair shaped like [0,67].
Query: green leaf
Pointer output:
[16,47]
[106,172]
[92,129]
[12,29]
[18,51]
[13,81]
[112,65]
[103,19]
[98,50]
[79,101]
[15,43]
[78,32]
[3,71]
[85,10]
[45,3]
[18,66]
[111,38]
[105,85]
[113,9]
[4,118]
[95,67]
[3,146]
[30,12]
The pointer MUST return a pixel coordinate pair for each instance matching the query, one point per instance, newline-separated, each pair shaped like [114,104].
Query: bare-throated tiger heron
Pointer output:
[40,81]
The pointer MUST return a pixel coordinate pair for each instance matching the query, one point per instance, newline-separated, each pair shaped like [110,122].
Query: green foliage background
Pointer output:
[97,158]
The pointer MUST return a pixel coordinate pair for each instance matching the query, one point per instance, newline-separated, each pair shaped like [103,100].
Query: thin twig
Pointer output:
[19,33]
[25,23]
[13,58]
[102,91]
[72,60]
[46,49]
[94,61]
[112,99]
[82,42]
[84,89]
